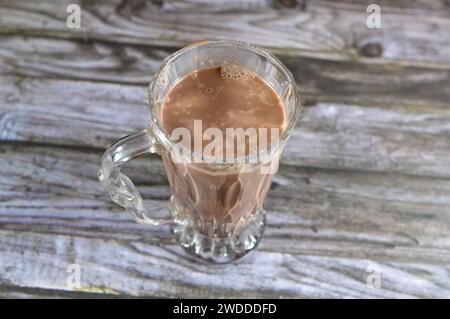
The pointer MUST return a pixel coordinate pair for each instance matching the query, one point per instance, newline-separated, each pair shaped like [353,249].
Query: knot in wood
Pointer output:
[371,50]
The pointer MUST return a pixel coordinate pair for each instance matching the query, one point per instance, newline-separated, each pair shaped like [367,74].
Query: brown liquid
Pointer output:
[222,97]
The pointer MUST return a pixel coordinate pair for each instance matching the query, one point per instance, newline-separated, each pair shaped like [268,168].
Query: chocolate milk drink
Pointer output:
[221,97]
[221,112]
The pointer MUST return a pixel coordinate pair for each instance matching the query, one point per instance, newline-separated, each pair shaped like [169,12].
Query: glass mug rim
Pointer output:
[164,139]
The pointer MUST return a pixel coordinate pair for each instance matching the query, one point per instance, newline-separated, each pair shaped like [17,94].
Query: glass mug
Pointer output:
[215,208]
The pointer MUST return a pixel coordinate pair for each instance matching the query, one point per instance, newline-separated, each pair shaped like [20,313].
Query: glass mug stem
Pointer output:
[123,192]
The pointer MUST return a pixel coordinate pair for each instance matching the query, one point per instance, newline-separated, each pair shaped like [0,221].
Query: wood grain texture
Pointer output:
[145,270]
[16,292]
[364,181]
[316,198]
[92,114]
[317,80]
[324,229]
[325,29]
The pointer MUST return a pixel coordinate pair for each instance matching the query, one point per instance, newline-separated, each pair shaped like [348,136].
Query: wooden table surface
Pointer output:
[364,185]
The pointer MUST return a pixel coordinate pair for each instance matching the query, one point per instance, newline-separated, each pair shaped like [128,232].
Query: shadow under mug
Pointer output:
[215,209]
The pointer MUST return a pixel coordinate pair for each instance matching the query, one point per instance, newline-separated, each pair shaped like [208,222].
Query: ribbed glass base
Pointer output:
[221,249]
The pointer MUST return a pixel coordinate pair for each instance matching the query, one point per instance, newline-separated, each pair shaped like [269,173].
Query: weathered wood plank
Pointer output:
[419,6]
[325,226]
[79,59]
[337,136]
[16,292]
[318,80]
[322,212]
[313,248]
[318,29]
[138,268]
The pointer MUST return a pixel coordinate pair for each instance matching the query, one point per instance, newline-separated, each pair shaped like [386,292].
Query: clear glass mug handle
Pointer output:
[120,187]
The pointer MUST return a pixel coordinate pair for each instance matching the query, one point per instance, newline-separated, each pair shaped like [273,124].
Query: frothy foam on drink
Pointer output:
[226,96]
[235,72]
